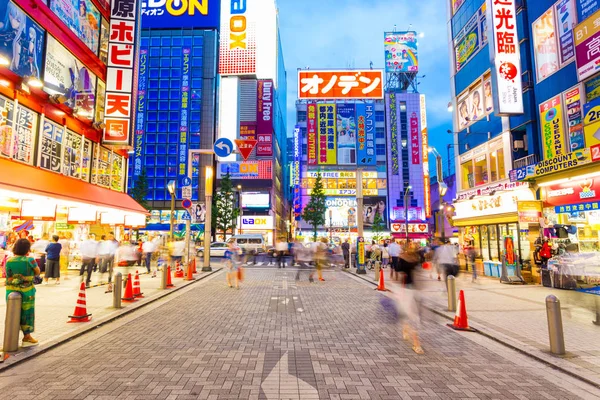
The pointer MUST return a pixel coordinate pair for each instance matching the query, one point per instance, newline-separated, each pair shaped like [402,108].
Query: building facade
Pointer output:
[64,130]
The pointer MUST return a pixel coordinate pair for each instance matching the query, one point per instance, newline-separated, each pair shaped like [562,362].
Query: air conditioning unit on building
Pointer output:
[518,144]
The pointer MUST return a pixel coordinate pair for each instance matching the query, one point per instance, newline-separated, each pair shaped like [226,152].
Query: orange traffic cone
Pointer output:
[129,297]
[80,314]
[190,272]
[460,319]
[381,285]
[137,290]
[169,283]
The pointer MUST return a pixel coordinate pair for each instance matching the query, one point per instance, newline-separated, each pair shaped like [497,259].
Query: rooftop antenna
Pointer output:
[371,64]
[394,27]
[409,27]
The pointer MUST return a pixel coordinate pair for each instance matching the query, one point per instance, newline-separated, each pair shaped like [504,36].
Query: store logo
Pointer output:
[179,7]
[254,221]
[237,25]
[586,191]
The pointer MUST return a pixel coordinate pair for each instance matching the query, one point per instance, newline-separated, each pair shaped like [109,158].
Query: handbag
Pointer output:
[240,273]
[426,265]
[37,280]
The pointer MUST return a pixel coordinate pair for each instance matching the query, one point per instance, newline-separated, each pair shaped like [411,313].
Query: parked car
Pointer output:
[253,243]
[217,249]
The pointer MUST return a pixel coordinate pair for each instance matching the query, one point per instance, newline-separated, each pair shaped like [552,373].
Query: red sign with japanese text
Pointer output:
[311,133]
[122,58]
[245,147]
[264,117]
[582,191]
[345,84]
[414,139]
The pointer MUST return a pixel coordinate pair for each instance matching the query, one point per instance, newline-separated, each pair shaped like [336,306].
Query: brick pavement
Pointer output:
[278,339]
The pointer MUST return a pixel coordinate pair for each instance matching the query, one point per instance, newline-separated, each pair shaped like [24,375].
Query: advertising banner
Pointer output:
[264,118]
[566,21]
[415,145]
[184,113]
[563,162]
[553,137]
[587,35]
[327,136]
[26,130]
[140,126]
[7,109]
[414,214]
[51,146]
[346,134]
[81,17]
[374,206]
[360,254]
[425,144]
[237,47]
[248,130]
[545,45]
[66,76]
[500,203]
[576,192]
[456,5]
[592,88]
[122,60]
[574,119]
[586,8]
[261,169]
[365,137]
[412,228]
[172,14]
[529,211]
[591,122]
[340,85]
[311,133]
[465,46]
[20,32]
[296,168]
[392,127]
[257,222]
[401,53]
[506,57]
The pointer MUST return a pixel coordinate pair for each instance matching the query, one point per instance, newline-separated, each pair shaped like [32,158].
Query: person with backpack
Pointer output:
[545,252]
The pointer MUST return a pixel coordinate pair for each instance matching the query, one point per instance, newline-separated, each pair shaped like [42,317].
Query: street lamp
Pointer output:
[239,190]
[406,195]
[330,226]
[172,186]
[208,191]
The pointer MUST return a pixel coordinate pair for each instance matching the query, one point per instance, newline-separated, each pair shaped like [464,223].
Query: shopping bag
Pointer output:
[426,265]
[240,274]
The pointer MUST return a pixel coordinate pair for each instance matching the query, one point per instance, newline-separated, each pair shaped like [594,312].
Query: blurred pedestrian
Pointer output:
[385,256]
[346,253]
[445,257]
[176,251]
[38,247]
[53,260]
[107,249]
[320,257]
[234,261]
[21,271]
[65,251]
[89,254]
[409,260]
[148,248]
[281,247]
[545,252]
[394,252]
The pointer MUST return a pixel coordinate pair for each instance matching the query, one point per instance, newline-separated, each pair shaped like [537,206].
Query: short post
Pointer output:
[555,327]
[12,323]
[597,321]
[117,289]
[163,277]
[377,268]
[451,293]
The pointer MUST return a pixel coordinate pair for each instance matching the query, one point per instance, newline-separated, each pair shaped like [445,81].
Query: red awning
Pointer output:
[26,179]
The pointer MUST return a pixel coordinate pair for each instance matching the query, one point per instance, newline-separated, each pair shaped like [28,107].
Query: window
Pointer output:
[379,116]
[466,169]
[380,132]
[497,171]
[301,115]
[481,170]
[380,149]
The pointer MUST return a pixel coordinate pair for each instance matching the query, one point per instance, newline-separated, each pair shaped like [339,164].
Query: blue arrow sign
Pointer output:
[223,147]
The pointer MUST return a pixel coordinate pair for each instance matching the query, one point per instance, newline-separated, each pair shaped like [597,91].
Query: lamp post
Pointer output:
[406,195]
[360,213]
[442,187]
[208,190]
[172,186]
[239,190]
[330,226]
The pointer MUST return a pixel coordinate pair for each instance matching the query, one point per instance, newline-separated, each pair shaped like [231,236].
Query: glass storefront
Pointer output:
[487,240]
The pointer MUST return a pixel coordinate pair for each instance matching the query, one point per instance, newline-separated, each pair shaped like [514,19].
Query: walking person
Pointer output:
[148,248]
[445,257]
[65,251]
[20,273]
[89,254]
[394,252]
[281,247]
[53,260]
[233,256]
[385,256]
[346,253]
[107,249]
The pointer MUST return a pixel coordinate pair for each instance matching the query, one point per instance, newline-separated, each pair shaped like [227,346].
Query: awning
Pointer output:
[491,220]
[167,227]
[22,178]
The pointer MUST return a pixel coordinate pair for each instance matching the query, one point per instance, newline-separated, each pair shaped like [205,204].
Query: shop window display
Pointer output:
[480,170]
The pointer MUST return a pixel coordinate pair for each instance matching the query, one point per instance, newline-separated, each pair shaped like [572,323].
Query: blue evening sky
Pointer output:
[349,33]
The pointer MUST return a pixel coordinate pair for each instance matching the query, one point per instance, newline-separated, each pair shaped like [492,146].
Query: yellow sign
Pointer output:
[587,28]
[326,127]
[551,121]
[591,122]
[346,192]
[530,205]
[563,162]
[361,252]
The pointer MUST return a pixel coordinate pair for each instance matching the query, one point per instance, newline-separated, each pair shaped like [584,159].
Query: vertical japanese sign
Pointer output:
[264,118]
[392,126]
[296,173]
[184,115]
[506,58]
[425,143]
[574,119]
[248,130]
[140,115]
[327,139]
[346,134]
[25,132]
[587,46]
[553,139]
[124,16]
[311,133]
[415,151]
[237,46]
[566,18]
[366,126]
[51,147]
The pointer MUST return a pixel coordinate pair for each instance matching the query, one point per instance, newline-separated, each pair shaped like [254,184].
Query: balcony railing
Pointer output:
[525,161]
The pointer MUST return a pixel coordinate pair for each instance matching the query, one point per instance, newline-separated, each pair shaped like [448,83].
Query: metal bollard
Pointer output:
[451,286]
[163,277]
[377,268]
[12,323]
[555,327]
[597,321]
[117,288]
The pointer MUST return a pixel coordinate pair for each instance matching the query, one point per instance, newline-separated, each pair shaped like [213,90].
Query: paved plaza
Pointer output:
[276,338]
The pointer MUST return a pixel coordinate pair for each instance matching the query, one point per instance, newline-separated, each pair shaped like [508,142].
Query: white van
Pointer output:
[253,243]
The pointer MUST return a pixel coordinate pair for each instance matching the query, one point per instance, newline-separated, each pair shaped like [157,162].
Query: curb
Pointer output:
[520,350]
[24,354]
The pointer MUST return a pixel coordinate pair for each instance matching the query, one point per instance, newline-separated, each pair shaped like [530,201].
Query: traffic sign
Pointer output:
[186,192]
[185,181]
[223,147]
[186,203]
[245,147]
[186,216]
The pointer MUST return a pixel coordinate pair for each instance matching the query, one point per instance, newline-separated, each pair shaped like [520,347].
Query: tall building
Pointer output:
[176,102]
[252,107]
[65,112]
